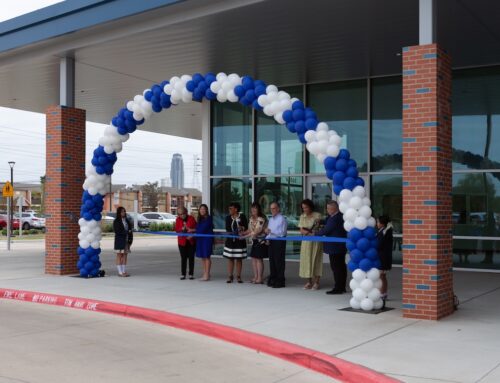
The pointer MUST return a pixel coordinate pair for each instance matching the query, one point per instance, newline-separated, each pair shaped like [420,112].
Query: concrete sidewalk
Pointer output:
[464,347]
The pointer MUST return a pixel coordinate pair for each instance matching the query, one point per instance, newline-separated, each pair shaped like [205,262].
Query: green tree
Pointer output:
[150,195]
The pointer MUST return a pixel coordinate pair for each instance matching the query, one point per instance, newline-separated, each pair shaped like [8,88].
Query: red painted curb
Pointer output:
[317,361]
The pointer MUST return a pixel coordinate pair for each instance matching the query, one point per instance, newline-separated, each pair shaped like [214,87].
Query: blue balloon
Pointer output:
[297,105]
[302,139]
[365,264]
[89,265]
[210,95]
[338,178]
[344,153]
[87,216]
[202,87]
[330,163]
[363,244]
[360,181]
[79,265]
[94,272]
[311,123]
[239,91]
[291,127]
[147,96]
[350,245]
[102,160]
[260,90]
[191,86]
[374,243]
[256,105]
[197,95]
[349,183]
[352,266]
[89,204]
[94,259]
[300,127]
[89,251]
[197,78]
[354,235]
[369,232]
[80,250]
[352,172]
[351,162]
[356,255]
[250,95]
[83,273]
[97,217]
[157,90]
[247,82]
[371,254]
[298,114]
[337,189]
[156,107]
[310,114]
[163,83]
[288,115]
[95,161]
[99,170]
[341,164]
[329,174]
[377,264]
[258,83]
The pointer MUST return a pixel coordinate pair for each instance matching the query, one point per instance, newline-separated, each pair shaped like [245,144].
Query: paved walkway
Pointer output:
[464,347]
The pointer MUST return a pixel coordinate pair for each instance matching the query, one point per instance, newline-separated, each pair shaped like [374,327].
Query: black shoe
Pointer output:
[191,277]
[278,285]
[335,292]
[183,277]
[270,283]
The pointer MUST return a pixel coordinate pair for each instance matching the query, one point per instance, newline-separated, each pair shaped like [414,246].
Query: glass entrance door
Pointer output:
[320,191]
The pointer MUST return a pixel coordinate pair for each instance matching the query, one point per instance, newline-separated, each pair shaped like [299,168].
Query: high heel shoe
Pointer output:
[229,279]
[238,279]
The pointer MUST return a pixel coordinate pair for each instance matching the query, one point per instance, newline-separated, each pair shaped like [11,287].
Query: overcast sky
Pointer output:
[145,156]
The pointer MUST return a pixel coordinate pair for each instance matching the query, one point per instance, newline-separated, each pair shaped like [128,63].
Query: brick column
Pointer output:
[427,224]
[65,171]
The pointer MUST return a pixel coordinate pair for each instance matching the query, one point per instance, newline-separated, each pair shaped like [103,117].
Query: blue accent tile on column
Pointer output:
[409,139]
[423,168]
[71,119]
[406,49]
[59,127]
[430,124]
[406,106]
[49,136]
[406,183]
[430,55]
[59,200]
[60,170]
[409,72]
[409,306]
[68,158]
[431,202]
[423,90]
[435,277]
[435,236]
[55,246]
[415,222]
[408,246]
[435,148]
[406,271]
[430,262]
[55,154]
[60,267]
[63,185]
[63,142]
[423,287]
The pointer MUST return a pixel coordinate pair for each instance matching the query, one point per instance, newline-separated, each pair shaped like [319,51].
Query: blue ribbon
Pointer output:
[307,238]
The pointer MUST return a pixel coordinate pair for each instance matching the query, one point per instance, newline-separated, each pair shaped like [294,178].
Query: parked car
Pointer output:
[159,217]
[3,222]
[31,220]
[141,221]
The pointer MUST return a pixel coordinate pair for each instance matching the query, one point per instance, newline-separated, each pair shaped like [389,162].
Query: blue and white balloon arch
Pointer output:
[321,141]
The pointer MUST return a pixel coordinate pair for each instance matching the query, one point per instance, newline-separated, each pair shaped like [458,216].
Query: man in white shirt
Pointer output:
[276,228]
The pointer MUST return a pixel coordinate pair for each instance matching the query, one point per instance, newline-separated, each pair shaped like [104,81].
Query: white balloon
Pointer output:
[185,78]
[322,145]
[187,98]
[355,304]
[374,294]
[366,285]
[310,136]
[360,223]
[322,126]
[365,211]
[130,106]
[215,87]
[282,95]
[377,305]
[359,275]
[373,274]
[226,85]
[95,244]
[221,76]
[353,284]
[333,150]
[359,191]
[179,86]
[271,88]
[279,118]
[234,78]
[81,236]
[313,147]
[231,96]
[321,157]
[371,222]
[221,97]
[345,195]
[82,222]
[262,100]
[272,96]
[348,226]
[268,110]
[335,140]
[137,116]
[351,214]
[343,206]
[168,88]
[84,243]
[378,284]
[322,136]
[355,202]
[367,202]
[92,191]
[90,237]
[359,294]
[367,304]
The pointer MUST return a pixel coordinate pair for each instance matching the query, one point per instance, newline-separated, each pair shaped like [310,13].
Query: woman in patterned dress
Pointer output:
[235,249]
[256,226]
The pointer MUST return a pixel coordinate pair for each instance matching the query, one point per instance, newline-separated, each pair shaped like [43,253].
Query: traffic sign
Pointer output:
[8,190]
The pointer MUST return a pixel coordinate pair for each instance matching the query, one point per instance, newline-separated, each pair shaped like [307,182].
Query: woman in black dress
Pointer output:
[235,249]
[123,239]
[384,236]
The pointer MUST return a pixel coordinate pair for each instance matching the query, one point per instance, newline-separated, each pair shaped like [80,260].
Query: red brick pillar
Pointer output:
[427,224]
[65,174]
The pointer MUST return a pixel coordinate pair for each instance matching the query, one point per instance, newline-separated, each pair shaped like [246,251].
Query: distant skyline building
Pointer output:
[177,171]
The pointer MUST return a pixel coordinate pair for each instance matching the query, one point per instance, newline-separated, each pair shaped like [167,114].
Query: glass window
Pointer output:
[476,119]
[387,125]
[278,150]
[476,253]
[225,191]
[285,190]
[387,198]
[476,204]
[231,139]
[343,106]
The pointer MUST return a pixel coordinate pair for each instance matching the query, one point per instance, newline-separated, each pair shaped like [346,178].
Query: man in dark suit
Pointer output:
[334,227]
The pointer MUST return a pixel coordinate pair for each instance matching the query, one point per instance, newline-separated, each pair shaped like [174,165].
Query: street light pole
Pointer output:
[11,205]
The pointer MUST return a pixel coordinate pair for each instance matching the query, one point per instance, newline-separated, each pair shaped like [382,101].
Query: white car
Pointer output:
[31,220]
[159,217]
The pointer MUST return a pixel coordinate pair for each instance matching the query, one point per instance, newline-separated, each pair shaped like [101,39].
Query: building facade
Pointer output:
[177,171]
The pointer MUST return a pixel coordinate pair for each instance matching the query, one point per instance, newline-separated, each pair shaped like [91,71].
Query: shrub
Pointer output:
[160,226]
[107,228]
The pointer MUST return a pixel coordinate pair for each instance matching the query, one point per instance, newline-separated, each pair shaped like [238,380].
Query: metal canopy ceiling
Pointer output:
[280,41]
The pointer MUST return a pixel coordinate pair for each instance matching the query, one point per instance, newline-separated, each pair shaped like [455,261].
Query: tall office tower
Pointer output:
[177,171]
